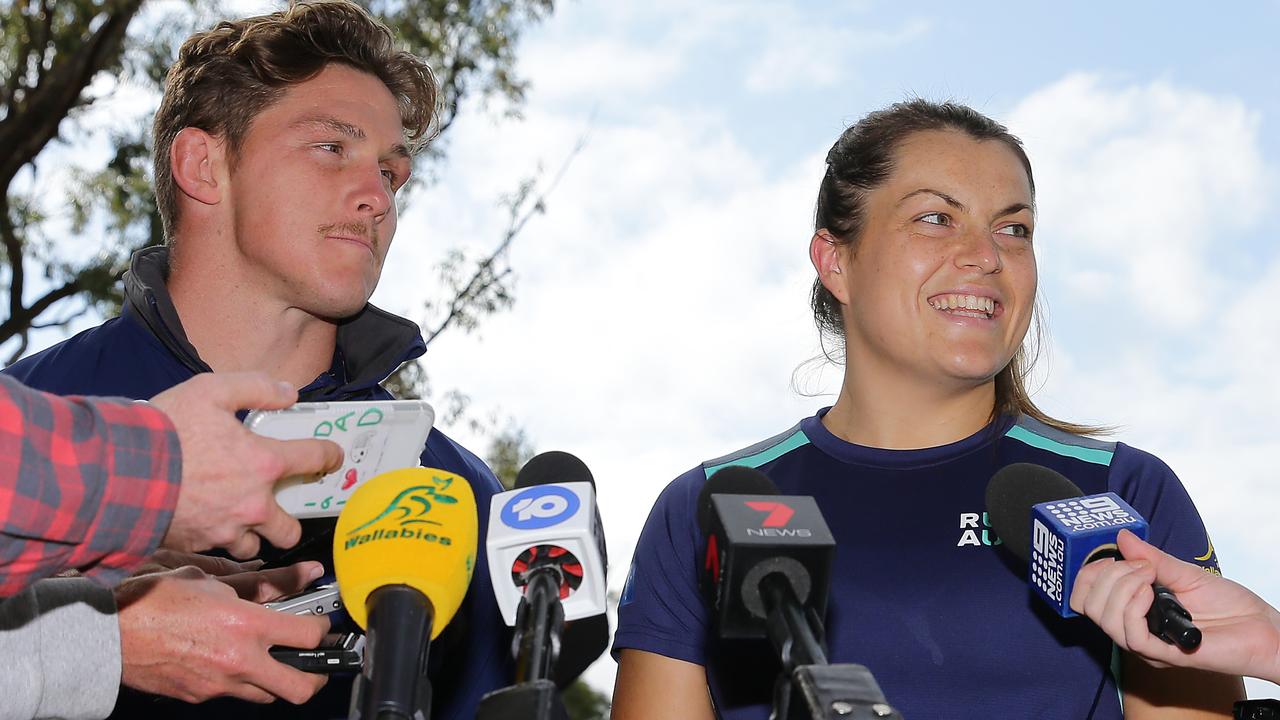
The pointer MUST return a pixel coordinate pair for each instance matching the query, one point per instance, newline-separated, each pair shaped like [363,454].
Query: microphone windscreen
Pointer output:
[1013,490]
[553,466]
[415,527]
[732,480]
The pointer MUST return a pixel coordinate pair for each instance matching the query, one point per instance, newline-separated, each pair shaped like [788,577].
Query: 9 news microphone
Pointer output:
[766,572]
[403,552]
[1038,511]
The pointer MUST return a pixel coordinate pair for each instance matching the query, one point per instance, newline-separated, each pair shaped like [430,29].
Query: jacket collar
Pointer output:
[372,343]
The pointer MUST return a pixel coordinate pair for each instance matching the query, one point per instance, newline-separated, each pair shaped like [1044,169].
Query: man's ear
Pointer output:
[828,256]
[196,159]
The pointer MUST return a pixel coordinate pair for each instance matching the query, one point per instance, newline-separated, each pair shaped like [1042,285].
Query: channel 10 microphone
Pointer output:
[548,520]
[1050,524]
[403,552]
[753,533]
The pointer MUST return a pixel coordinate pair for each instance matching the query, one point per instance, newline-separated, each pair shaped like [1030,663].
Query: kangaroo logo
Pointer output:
[413,503]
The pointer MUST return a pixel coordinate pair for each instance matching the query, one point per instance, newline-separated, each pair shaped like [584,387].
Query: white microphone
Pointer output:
[549,520]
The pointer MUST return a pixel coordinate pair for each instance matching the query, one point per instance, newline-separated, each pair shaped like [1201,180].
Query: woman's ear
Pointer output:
[195,159]
[828,256]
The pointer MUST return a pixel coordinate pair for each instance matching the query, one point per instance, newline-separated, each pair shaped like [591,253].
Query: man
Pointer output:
[280,143]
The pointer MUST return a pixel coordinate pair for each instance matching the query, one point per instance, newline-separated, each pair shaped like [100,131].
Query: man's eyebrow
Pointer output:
[329,122]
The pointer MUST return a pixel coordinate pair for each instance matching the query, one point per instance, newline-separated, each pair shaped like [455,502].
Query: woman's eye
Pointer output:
[330,147]
[390,176]
[936,218]
[1016,230]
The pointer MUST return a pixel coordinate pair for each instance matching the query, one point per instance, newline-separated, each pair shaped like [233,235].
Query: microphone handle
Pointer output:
[540,623]
[788,626]
[1169,621]
[400,620]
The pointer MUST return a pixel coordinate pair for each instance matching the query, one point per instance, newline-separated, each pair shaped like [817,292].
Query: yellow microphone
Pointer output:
[404,549]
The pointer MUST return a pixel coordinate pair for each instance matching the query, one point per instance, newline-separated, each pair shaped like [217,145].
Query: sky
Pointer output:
[661,316]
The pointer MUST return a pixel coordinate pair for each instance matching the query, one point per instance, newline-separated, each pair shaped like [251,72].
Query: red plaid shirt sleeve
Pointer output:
[84,484]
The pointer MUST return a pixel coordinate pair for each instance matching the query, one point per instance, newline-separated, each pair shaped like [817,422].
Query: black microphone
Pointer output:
[1057,540]
[766,573]
[752,534]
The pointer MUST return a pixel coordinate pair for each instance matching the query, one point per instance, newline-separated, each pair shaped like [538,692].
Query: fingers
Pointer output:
[217,566]
[306,457]
[278,679]
[1116,595]
[248,391]
[297,457]
[1171,572]
[297,686]
[246,546]
[1105,589]
[280,528]
[267,585]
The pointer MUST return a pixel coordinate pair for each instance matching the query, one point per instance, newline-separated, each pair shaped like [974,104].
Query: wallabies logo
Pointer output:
[408,508]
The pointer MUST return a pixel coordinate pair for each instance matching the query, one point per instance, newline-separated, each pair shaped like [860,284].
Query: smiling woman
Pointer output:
[926,275]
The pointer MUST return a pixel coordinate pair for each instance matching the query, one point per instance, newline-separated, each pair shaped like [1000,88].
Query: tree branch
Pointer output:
[19,322]
[27,129]
[15,254]
[23,341]
[40,42]
[483,278]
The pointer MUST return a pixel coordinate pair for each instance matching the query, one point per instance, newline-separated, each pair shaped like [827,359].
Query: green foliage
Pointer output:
[509,450]
[585,703]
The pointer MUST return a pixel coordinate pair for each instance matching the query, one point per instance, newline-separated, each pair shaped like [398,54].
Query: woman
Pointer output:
[927,276]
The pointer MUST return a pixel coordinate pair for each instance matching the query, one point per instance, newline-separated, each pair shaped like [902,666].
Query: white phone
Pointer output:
[376,436]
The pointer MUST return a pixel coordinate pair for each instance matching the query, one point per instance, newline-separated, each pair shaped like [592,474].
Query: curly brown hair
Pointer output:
[859,162]
[225,77]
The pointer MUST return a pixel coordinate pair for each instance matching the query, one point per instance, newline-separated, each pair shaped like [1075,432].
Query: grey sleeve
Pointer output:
[60,640]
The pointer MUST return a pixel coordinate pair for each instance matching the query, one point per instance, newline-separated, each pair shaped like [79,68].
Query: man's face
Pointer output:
[313,192]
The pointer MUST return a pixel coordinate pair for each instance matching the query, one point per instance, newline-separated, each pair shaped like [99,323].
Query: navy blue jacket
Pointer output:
[145,351]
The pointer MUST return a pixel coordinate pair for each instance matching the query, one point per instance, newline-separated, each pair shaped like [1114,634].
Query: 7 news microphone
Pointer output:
[547,564]
[1052,526]
[403,552]
[766,572]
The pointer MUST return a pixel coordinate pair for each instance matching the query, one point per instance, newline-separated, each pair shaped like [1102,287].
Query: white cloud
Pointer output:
[1138,185]
[617,67]
[801,53]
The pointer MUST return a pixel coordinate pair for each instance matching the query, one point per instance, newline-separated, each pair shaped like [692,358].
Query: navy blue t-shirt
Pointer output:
[945,621]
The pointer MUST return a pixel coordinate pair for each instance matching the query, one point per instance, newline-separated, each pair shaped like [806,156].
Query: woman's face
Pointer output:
[942,280]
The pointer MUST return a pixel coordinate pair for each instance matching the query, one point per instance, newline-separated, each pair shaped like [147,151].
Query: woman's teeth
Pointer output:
[966,305]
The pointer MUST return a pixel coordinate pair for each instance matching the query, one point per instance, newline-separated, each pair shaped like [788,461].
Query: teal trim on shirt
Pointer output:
[773,452]
[1090,455]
